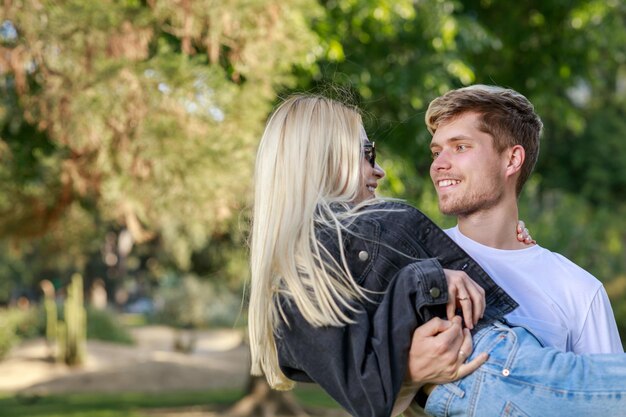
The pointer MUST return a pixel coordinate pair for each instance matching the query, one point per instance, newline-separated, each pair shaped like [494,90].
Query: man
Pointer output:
[485,144]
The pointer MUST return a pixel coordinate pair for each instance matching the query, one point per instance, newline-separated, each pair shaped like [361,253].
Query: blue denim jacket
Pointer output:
[398,256]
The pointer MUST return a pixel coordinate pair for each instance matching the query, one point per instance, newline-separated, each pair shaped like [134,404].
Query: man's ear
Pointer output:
[516,156]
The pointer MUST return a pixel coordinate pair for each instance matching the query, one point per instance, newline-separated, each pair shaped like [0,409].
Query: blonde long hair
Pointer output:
[309,159]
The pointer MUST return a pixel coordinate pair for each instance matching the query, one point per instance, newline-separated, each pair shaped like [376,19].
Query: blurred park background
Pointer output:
[128,132]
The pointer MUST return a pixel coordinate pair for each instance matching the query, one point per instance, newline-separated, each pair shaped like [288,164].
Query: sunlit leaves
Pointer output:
[152,110]
[567,57]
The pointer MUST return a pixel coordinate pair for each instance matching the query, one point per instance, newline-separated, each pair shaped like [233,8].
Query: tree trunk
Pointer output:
[262,401]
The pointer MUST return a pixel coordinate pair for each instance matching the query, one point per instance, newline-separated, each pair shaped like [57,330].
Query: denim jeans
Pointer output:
[524,379]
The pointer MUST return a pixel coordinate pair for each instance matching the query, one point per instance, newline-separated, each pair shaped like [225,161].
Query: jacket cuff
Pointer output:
[433,283]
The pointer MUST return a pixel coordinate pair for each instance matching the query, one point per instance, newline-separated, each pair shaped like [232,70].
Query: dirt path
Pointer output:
[220,360]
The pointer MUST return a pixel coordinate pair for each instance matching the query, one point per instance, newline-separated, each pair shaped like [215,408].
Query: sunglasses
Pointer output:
[369,152]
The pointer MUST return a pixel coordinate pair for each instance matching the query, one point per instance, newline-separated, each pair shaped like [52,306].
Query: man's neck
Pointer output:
[495,227]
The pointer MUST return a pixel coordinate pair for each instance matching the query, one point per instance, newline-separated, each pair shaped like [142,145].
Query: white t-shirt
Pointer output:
[563,305]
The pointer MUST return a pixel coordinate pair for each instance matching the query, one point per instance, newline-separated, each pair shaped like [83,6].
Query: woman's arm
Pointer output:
[362,365]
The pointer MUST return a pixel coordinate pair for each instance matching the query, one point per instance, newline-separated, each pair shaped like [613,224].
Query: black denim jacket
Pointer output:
[398,256]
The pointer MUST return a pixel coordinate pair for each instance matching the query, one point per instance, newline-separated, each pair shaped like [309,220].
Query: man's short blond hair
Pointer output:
[505,114]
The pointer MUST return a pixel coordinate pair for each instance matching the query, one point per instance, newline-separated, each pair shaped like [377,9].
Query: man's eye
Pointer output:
[461,148]
[435,155]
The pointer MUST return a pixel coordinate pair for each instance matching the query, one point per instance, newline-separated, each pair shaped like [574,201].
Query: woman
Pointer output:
[341,279]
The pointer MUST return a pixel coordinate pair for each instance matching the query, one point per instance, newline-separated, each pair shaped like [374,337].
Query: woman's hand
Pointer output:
[523,235]
[466,295]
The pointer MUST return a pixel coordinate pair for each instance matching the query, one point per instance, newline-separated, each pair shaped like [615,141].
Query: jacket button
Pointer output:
[435,292]
[363,255]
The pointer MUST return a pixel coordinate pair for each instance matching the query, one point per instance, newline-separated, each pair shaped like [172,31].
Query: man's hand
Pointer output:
[465,294]
[438,352]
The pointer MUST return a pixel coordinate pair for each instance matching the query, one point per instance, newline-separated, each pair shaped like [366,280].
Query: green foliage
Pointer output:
[8,335]
[398,54]
[144,116]
[616,290]
[105,325]
[224,259]
[191,303]
[17,324]
[568,223]
[101,324]
[139,117]
[568,59]
[28,322]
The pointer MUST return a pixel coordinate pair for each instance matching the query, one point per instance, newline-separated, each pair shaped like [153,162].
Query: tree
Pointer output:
[136,118]
[567,58]
[141,115]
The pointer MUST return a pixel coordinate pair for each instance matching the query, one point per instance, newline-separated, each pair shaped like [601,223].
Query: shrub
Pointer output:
[105,325]
[8,338]
[15,324]
[30,323]
[192,303]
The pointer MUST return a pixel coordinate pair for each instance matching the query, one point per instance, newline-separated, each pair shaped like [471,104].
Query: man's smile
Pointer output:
[448,182]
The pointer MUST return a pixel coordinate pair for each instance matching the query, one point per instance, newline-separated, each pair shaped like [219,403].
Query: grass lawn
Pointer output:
[107,405]
[132,404]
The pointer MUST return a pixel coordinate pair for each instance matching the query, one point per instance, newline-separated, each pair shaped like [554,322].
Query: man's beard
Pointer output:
[467,205]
